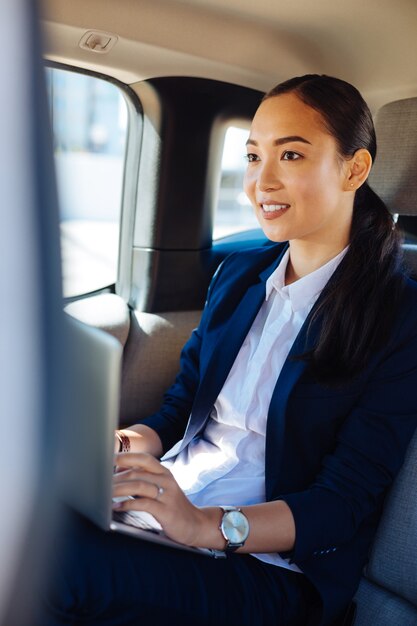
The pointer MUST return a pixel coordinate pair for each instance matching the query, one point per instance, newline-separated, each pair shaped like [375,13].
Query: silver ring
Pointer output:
[161,491]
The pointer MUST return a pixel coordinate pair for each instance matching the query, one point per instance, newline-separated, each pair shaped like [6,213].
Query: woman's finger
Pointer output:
[139,488]
[140,459]
[142,506]
[135,473]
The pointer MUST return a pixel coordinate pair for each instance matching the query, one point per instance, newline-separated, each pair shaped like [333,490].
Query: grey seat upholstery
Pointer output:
[152,345]
[151,360]
[387,595]
[394,175]
[105,311]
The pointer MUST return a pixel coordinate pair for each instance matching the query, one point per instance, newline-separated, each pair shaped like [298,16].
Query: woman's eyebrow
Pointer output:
[280,141]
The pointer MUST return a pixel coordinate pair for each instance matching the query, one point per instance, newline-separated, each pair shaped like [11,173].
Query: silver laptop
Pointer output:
[91,417]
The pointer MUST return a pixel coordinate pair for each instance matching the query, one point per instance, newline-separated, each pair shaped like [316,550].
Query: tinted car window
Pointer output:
[89,118]
[234,212]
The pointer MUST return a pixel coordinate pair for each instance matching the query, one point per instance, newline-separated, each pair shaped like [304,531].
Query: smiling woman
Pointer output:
[280,436]
[315,143]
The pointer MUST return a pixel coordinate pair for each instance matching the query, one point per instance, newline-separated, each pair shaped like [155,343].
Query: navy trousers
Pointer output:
[110,579]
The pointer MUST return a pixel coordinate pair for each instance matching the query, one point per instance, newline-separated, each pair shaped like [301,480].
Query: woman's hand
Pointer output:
[272,523]
[158,493]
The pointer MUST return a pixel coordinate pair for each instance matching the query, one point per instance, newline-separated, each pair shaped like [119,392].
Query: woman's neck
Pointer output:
[305,259]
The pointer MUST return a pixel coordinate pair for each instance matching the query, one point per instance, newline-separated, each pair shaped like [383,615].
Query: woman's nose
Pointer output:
[268,178]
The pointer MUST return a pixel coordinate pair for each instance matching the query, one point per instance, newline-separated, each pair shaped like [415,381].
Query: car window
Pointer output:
[89,120]
[234,212]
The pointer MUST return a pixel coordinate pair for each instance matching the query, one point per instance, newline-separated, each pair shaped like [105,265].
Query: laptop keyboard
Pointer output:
[138,519]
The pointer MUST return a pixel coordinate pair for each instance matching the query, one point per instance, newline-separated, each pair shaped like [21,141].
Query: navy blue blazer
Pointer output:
[331,453]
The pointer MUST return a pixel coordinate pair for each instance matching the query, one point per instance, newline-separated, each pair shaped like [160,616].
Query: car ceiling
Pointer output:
[372,44]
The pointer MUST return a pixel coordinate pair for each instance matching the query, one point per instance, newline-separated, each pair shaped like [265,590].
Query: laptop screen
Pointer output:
[91,416]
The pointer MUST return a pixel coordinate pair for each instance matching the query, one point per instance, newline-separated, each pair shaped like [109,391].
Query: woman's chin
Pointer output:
[277,235]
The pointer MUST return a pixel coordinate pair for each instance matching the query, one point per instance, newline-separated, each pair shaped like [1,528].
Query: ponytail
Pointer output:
[358,305]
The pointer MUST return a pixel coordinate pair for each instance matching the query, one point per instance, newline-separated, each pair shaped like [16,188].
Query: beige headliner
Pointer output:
[371,43]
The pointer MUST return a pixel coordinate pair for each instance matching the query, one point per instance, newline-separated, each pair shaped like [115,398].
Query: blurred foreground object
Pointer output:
[30,316]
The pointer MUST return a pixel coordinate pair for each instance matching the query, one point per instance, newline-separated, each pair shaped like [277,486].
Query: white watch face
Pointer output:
[235,527]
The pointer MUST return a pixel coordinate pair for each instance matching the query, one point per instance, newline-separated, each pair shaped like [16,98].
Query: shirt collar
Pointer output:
[305,289]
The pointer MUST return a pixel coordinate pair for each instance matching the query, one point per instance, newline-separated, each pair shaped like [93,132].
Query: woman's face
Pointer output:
[295,179]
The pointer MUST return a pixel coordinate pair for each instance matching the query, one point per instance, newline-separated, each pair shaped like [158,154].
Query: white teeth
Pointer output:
[269,208]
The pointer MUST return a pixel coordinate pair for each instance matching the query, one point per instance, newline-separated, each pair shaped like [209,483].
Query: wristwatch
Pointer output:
[234,527]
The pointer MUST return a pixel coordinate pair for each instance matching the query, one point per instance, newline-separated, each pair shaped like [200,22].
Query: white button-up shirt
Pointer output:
[225,464]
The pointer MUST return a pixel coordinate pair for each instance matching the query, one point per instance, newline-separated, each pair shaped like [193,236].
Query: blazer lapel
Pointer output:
[222,359]
[290,374]
[225,352]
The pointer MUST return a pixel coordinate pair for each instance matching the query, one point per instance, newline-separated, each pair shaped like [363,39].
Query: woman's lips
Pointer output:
[272,211]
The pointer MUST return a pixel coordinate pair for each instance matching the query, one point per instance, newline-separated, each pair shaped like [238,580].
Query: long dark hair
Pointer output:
[358,305]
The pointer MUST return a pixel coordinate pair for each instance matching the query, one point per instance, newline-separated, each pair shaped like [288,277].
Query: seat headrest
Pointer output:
[394,174]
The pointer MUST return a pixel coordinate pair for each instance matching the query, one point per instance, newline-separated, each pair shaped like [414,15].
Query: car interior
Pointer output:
[176,78]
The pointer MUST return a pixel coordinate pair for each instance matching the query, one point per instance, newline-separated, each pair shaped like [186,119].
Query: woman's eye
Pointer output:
[289,155]
[251,157]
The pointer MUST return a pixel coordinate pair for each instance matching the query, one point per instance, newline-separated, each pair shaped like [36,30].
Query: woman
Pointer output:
[298,382]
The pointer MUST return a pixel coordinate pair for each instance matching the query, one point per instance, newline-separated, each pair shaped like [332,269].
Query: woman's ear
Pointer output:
[358,168]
